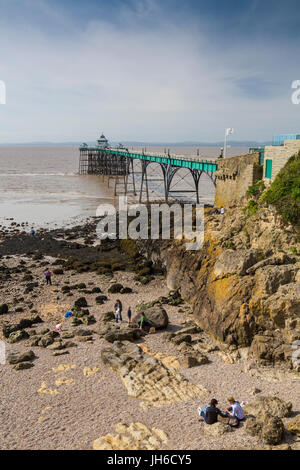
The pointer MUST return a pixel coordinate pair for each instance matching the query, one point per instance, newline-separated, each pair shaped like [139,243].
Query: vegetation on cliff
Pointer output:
[284,193]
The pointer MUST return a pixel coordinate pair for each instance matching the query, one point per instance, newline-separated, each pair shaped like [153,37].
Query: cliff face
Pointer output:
[244,285]
[234,176]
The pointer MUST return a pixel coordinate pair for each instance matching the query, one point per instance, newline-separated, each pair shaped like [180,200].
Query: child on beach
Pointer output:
[118,310]
[47,276]
[129,315]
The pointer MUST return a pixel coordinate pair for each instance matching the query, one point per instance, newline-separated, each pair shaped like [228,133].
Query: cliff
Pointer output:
[244,284]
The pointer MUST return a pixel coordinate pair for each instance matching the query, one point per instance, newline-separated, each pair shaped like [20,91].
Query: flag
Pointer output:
[229,131]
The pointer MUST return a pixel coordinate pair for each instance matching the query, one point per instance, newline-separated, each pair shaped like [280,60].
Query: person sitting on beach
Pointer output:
[47,276]
[143,321]
[119,307]
[234,409]
[210,413]
[129,315]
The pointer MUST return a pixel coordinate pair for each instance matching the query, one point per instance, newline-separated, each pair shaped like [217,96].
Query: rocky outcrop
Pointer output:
[135,436]
[217,430]
[244,284]
[147,378]
[266,427]
[156,314]
[271,405]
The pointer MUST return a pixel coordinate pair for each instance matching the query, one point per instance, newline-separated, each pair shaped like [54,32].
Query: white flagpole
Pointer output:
[225,143]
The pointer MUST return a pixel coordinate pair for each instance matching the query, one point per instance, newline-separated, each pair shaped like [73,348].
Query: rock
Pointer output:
[82,332]
[101,299]
[269,348]
[67,335]
[96,290]
[115,288]
[147,378]
[3,309]
[16,358]
[123,334]
[81,302]
[156,315]
[266,427]
[177,340]
[294,426]
[234,262]
[46,340]
[126,290]
[107,317]
[76,321]
[23,366]
[70,344]
[18,336]
[189,330]
[255,391]
[216,430]
[193,360]
[88,320]
[272,405]
[60,353]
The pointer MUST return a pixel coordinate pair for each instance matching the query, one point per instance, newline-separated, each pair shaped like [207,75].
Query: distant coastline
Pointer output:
[233,143]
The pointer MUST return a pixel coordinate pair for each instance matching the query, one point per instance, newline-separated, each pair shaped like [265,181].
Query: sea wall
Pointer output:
[234,176]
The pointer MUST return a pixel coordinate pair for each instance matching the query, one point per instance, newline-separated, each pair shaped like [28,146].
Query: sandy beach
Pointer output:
[69,401]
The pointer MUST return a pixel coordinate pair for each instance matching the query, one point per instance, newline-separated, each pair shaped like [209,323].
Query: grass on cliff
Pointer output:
[284,193]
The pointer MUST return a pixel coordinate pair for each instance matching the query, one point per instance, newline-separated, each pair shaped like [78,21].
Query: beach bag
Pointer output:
[233,422]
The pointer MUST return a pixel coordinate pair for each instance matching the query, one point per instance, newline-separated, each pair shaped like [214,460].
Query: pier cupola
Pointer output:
[103,142]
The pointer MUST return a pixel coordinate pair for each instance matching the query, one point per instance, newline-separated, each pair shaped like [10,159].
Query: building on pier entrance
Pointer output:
[103,142]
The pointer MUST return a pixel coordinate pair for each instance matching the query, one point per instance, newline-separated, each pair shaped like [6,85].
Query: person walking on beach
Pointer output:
[47,276]
[32,232]
[129,315]
[118,310]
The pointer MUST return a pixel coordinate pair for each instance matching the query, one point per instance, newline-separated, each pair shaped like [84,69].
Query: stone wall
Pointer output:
[280,156]
[234,176]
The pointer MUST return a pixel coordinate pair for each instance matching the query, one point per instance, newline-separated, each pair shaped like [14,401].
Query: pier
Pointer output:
[120,165]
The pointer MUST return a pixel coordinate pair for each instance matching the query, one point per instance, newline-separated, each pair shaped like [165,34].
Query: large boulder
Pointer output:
[269,348]
[156,315]
[216,430]
[16,358]
[234,262]
[123,334]
[112,333]
[266,427]
[274,406]
[17,336]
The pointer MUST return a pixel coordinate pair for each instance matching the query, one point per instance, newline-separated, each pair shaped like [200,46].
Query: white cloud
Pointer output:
[162,83]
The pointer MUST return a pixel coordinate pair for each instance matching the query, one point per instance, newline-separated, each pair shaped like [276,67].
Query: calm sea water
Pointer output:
[41,185]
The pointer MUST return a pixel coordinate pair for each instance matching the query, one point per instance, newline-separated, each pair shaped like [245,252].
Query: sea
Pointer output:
[41,186]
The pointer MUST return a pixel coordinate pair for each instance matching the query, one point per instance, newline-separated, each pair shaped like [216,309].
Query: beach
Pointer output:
[69,401]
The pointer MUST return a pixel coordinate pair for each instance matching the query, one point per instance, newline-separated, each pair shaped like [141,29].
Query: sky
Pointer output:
[148,70]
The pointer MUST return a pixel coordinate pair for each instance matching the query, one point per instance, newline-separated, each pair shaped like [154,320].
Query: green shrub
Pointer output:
[257,189]
[251,208]
[284,193]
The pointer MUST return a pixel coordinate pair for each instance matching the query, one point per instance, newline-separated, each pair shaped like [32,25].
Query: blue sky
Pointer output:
[148,70]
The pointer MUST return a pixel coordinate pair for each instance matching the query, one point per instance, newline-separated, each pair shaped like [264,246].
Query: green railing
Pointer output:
[193,164]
